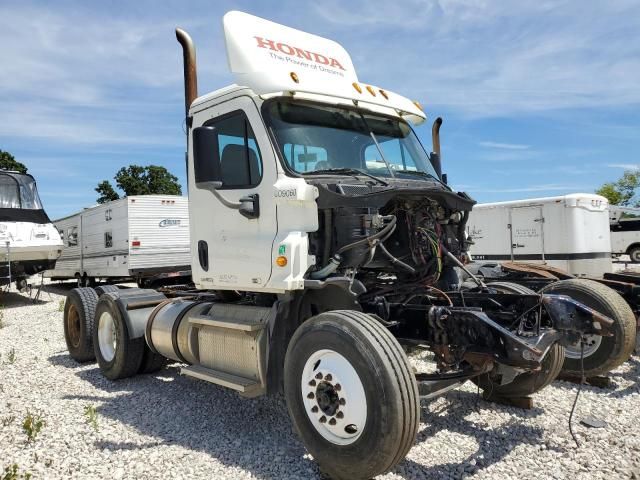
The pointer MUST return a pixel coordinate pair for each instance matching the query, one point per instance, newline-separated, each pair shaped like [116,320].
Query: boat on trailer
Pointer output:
[29,243]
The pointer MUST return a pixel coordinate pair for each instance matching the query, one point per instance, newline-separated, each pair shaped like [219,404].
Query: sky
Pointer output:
[539,98]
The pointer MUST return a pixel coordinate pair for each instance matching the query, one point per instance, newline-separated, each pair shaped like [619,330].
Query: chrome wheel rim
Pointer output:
[107,338]
[334,397]
[591,345]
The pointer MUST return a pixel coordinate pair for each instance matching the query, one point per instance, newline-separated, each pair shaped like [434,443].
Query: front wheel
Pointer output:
[351,394]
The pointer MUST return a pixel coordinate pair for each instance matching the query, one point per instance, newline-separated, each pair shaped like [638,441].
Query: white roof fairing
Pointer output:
[262,55]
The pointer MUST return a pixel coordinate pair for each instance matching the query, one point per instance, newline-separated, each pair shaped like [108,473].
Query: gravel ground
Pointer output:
[168,426]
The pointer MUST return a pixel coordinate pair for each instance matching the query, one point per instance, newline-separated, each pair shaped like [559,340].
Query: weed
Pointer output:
[11,473]
[32,425]
[7,420]
[11,357]
[91,413]
[61,306]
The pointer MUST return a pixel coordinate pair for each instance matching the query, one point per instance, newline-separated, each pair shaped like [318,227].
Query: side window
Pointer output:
[72,236]
[305,158]
[61,233]
[394,152]
[240,161]
[108,240]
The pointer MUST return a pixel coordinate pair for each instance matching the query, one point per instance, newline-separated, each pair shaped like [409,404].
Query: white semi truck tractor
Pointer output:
[324,242]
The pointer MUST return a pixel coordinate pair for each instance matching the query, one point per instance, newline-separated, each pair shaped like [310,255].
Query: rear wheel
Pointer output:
[526,383]
[118,355]
[529,382]
[601,354]
[106,289]
[634,254]
[79,312]
[351,394]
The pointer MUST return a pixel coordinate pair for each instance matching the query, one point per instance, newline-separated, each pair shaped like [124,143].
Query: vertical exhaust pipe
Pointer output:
[435,139]
[190,71]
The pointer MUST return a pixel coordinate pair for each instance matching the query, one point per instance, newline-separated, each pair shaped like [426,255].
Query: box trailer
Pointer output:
[570,232]
[137,237]
[625,232]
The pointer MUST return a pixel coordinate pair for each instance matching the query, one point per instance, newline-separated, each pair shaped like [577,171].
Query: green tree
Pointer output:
[8,162]
[623,191]
[106,191]
[137,180]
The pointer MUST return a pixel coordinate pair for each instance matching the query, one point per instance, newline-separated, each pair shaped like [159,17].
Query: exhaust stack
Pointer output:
[190,70]
[435,139]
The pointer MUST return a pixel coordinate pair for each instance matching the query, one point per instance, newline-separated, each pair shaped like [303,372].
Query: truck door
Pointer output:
[228,250]
[527,234]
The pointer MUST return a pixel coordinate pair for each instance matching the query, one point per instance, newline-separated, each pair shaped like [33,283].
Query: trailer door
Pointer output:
[527,234]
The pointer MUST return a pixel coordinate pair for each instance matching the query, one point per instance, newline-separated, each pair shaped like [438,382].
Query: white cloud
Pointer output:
[504,146]
[485,58]
[626,166]
[531,188]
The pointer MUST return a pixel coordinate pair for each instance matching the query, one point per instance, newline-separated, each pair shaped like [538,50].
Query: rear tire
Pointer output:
[351,394]
[79,314]
[602,354]
[634,254]
[152,362]
[118,355]
[106,289]
[526,383]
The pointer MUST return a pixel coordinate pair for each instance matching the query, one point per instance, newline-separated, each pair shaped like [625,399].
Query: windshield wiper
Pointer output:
[350,171]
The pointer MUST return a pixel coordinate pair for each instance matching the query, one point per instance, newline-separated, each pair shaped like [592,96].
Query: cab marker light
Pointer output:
[281,261]
[371,90]
[294,77]
[357,87]
[384,94]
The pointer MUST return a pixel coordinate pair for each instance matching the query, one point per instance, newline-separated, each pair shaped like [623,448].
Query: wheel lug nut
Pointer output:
[328,378]
[314,409]
[311,395]
[312,383]
[323,419]
[343,401]
[319,376]
[332,421]
[338,387]
[340,415]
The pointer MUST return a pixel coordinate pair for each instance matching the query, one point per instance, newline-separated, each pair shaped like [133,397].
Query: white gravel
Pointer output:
[168,426]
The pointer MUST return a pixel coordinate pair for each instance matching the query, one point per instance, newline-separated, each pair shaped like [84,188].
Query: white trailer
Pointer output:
[570,232]
[134,237]
[625,232]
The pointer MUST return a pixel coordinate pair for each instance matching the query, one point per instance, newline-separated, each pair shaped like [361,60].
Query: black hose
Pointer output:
[394,260]
[369,239]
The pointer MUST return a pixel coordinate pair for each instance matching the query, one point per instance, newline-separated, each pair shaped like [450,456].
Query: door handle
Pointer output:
[250,206]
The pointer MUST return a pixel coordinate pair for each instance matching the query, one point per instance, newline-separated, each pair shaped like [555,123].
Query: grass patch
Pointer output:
[12,473]
[91,414]
[32,425]
[61,306]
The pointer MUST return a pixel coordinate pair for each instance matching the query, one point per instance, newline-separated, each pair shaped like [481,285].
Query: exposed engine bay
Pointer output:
[402,251]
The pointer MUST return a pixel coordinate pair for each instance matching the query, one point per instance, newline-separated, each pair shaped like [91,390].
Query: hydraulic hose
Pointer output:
[394,260]
[381,233]
[334,262]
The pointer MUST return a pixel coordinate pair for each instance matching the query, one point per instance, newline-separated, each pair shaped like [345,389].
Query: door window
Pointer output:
[240,161]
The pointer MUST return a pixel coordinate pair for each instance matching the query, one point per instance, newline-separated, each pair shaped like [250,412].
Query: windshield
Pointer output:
[18,191]
[313,138]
